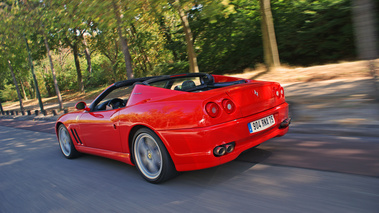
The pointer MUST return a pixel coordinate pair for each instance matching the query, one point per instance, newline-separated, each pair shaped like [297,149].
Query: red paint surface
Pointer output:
[181,121]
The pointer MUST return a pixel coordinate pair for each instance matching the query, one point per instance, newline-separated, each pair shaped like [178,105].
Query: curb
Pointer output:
[31,117]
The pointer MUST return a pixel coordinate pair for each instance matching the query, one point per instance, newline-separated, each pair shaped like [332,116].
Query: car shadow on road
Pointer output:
[206,177]
[254,155]
[223,173]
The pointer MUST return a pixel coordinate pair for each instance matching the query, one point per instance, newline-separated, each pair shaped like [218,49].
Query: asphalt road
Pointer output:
[295,173]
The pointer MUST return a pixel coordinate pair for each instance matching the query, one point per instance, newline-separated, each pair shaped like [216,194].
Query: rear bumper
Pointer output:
[192,149]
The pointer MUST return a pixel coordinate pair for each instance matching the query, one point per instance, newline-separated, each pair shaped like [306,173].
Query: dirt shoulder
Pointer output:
[343,70]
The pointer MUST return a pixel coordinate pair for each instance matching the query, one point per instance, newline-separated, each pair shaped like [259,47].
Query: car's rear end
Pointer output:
[234,118]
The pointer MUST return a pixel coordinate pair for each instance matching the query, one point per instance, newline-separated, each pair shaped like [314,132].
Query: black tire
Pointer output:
[151,157]
[65,143]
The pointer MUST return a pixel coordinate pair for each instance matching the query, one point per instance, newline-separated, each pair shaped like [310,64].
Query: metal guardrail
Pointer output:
[53,112]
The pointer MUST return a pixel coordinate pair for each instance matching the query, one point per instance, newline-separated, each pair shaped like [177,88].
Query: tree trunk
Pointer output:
[366,37]
[77,65]
[88,55]
[23,91]
[1,108]
[57,91]
[270,48]
[33,91]
[189,39]
[16,85]
[123,42]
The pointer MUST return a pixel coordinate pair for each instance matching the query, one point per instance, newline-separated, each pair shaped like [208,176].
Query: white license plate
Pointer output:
[261,124]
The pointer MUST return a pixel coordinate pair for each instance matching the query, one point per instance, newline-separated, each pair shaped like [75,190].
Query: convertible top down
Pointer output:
[169,124]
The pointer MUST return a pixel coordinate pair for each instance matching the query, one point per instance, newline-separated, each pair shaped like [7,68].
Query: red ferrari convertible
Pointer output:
[168,124]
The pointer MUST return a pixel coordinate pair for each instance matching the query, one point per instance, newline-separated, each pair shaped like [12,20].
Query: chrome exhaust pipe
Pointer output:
[285,123]
[219,151]
[229,148]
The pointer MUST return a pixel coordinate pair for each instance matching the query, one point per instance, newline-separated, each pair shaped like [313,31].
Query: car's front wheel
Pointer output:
[65,143]
[151,157]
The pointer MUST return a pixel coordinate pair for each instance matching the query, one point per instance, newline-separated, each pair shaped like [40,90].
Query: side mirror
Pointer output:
[82,105]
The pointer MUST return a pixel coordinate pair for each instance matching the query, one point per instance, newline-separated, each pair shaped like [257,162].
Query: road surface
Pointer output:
[295,173]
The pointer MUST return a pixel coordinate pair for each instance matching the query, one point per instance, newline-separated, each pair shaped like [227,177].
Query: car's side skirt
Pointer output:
[123,157]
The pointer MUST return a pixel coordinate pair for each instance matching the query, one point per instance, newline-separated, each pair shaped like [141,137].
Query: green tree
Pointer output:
[113,16]
[48,28]
[107,43]
[8,41]
[188,36]
[73,25]
[16,85]
[314,32]
[123,40]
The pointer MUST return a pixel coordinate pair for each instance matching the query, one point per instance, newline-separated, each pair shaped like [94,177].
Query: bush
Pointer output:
[171,68]
[9,93]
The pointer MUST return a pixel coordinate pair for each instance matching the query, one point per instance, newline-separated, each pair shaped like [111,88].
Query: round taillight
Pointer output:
[212,109]
[228,106]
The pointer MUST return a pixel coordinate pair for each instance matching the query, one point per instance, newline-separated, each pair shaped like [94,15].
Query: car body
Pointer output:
[170,124]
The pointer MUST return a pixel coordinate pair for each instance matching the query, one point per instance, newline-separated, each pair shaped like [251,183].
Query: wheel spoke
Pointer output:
[142,150]
[156,158]
[145,162]
[151,167]
[145,144]
[67,146]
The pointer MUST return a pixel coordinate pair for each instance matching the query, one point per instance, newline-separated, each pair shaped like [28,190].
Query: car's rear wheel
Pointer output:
[65,143]
[151,157]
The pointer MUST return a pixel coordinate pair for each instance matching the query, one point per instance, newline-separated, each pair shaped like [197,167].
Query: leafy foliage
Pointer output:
[314,31]
[226,35]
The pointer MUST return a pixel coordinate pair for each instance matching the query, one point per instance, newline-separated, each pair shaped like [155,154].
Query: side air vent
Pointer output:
[76,136]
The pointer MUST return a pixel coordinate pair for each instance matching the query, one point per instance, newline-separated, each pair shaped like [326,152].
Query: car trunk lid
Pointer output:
[252,98]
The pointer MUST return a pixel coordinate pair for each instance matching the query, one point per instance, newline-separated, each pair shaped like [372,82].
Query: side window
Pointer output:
[117,98]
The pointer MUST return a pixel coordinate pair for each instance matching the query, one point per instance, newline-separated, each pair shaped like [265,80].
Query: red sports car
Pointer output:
[168,124]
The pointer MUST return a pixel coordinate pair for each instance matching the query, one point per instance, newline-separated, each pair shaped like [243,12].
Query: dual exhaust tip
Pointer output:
[224,149]
[285,123]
